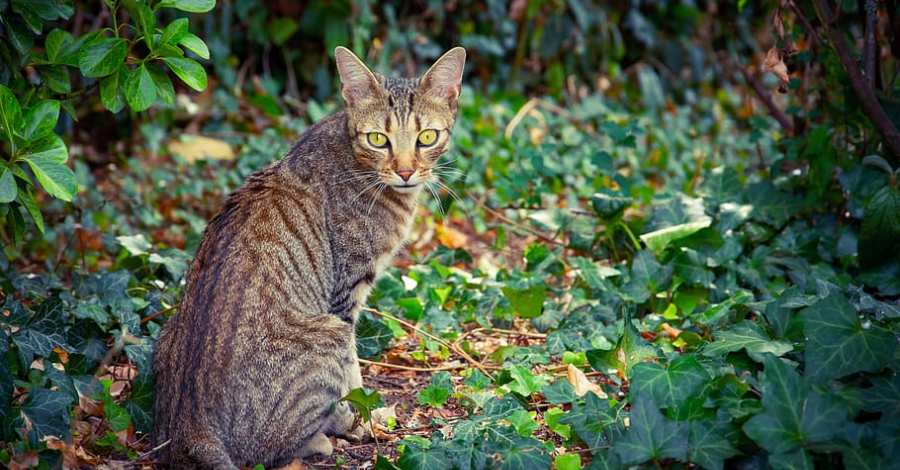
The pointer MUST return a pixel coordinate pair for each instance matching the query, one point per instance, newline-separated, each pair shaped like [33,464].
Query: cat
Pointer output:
[250,370]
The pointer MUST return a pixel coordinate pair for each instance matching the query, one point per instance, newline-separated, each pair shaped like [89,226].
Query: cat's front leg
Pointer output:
[347,421]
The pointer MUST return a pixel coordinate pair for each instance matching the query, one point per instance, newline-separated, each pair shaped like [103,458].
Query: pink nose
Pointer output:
[405,174]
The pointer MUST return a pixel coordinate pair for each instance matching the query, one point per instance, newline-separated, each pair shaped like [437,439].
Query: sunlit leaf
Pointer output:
[189,71]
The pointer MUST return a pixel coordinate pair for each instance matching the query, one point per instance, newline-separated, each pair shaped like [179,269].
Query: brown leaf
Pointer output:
[774,64]
[451,237]
[198,147]
[582,384]
[24,460]
[70,459]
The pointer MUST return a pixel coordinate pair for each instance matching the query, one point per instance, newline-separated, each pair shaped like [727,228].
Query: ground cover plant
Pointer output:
[645,255]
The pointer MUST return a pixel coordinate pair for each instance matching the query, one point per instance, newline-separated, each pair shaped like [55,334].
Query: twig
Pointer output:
[767,100]
[509,221]
[453,347]
[864,92]
[145,454]
[410,368]
[527,334]
[161,312]
[871,19]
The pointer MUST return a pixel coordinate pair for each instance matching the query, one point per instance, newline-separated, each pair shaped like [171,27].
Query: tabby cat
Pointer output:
[251,369]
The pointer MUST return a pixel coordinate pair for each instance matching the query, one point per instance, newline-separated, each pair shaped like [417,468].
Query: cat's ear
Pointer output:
[444,78]
[357,81]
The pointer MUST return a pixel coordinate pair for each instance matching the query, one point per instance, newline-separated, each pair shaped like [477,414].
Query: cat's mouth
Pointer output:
[405,188]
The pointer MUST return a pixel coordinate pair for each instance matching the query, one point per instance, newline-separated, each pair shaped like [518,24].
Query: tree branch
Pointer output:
[866,94]
[767,100]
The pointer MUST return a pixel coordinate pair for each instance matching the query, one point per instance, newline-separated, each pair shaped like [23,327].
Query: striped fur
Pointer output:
[251,368]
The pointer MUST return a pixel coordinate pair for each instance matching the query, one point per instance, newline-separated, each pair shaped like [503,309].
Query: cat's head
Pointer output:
[400,127]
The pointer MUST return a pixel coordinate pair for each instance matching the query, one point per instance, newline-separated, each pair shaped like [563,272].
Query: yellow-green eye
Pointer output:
[377,139]
[428,136]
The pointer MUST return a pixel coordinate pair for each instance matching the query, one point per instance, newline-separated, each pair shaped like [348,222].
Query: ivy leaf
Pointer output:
[417,458]
[139,403]
[523,422]
[884,396]
[528,303]
[525,458]
[659,239]
[189,71]
[372,336]
[777,429]
[669,386]
[524,382]
[437,392]
[647,277]
[364,401]
[48,412]
[722,183]
[136,245]
[103,57]
[609,205]
[631,349]
[749,336]
[793,415]
[879,239]
[839,343]
[799,460]
[651,436]
[8,189]
[140,91]
[559,392]
[41,119]
[709,443]
[594,421]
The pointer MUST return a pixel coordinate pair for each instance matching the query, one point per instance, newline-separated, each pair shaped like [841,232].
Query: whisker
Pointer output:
[373,183]
[375,197]
[454,196]
[437,198]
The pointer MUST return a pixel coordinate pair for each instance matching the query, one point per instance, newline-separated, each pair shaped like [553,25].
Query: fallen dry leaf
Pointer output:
[582,384]
[198,147]
[451,237]
[774,64]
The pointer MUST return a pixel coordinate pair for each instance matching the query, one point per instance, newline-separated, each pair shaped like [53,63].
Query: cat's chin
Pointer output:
[406,189]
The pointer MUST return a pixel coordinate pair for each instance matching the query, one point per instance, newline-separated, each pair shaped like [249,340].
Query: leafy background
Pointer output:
[647,255]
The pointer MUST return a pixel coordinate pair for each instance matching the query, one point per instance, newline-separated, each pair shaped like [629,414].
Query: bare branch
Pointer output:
[866,93]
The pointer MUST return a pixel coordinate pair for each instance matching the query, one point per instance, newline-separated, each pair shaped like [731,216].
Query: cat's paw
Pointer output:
[319,444]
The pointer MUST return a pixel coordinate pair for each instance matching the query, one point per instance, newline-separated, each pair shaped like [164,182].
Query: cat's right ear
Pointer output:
[357,81]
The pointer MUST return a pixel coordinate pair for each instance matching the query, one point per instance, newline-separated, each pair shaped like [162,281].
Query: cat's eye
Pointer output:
[377,139]
[428,137]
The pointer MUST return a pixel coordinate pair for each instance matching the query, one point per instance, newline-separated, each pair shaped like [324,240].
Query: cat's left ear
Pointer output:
[358,83]
[444,78]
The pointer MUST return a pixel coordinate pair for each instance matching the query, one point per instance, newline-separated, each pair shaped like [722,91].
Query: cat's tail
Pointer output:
[202,451]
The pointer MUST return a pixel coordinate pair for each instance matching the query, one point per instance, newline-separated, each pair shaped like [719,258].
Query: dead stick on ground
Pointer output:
[161,312]
[522,226]
[455,349]
[414,369]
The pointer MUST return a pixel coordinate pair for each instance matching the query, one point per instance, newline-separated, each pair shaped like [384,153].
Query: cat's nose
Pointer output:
[405,174]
